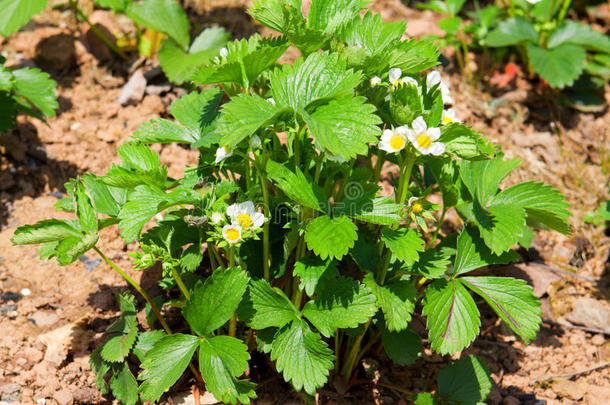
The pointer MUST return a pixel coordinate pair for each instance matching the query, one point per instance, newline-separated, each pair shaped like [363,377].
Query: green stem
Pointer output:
[405,178]
[564,10]
[180,283]
[212,249]
[96,31]
[438,228]
[368,346]
[265,190]
[350,361]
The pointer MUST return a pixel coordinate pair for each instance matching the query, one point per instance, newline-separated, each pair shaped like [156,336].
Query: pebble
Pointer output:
[598,340]
[7,309]
[10,392]
[63,397]
[134,89]
[90,264]
[56,194]
[25,292]
[10,296]
[44,318]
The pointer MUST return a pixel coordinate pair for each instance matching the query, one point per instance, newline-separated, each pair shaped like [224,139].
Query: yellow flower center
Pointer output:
[417,207]
[447,119]
[397,83]
[232,234]
[424,141]
[397,142]
[244,220]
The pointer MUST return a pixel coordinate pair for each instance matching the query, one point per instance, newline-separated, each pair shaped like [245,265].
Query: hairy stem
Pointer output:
[180,283]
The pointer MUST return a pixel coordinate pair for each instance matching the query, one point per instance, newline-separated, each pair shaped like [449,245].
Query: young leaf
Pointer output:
[106,200]
[143,204]
[221,360]
[465,142]
[464,382]
[276,14]
[380,211]
[302,356]
[212,303]
[294,185]
[312,270]
[513,31]
[100,368]
[146,341]
[16,13]
[264,306]
[165,363]
[49,230]
[37,88]
[73,247]
[513,300]
[87,217]
[342,303]
[405,244]
[402,347]
[396,300]
[331,237]
[413,56]
[123,384]
[559,66]
[452,316]
[196,110]
[472,253]
[123,332]
[330,15]
[161,15]
[372,34]
[345,126]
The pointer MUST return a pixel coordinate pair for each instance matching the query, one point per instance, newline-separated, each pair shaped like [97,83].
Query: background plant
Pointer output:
[280,240]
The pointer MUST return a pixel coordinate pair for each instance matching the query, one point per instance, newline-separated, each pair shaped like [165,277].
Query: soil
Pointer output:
[46,337]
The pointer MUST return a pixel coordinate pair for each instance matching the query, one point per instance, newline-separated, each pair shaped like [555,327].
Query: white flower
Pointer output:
[423,138]
[217,218]
[375,81]
[412,200]
[245,215]
[416,205]
[446,94]
[433,78]
[271,100]
[394,141]
[395,75]
[255,142]
[231,233]
[534,1]
[224,52]
[449,116]
[409,80]
[222,153]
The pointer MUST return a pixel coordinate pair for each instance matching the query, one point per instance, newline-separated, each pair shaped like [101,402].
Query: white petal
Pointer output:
[255,142]
[409,80]
[419,125]
[402,130]
[434,133]
[216,218]
[387,135]
[222,153]
[233,211]
[395,74]
[385,146]
[433,78]
[412,200]
[258,219]
[247,207]
[271,100]
[411,136]
[446,94]
[224,52]
[437,148]
[375,81]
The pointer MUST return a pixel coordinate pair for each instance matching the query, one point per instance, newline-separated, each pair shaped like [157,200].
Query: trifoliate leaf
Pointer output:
[483,177]
[573,32]
[146,341]
[311,270]
[465,142]
[405,244]
[331,237]
[294,185]
[464,382]
[38,88]
[345,127]
[330,15]
[302,356]
[380,211]
[513,300]
[165,363]
[472,253]
[123,332]
[396,300]
[49,230]
[452,316]
[342,303]
[516,30]
[212,303]
[73,247]
[165,16]
[433,262]
[16,13]
[403,348]
[264,306]
[501,226]
[100,368]
[372,34]
[221,360]
[559,66]
[243,116]
[123,384]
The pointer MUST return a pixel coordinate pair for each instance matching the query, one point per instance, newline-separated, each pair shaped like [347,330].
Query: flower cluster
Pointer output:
[243,220]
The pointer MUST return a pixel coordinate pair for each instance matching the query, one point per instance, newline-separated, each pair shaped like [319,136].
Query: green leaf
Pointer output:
[6,79]
[9,111]
[513,31]
[165,16]
[396,300]
[426,398]
[124,385]
[213,38]
[465,142]
[100,368]
[221,360]
[513,300]
[573,32]
[403,348]
[302,356]
[15,13]
[118,6]
[143,204]
[137,156]
[87,217]
[106,199]
[345,126]
[145,342]
[312,270]
[343,303]
[483,177]
[264,306]
[37,88]
[123,332]
[165,363]
[452,316]
[372,34]
[501,226]
[49,230]
[381,211]
[472,253]
[405,244]
[330,15]
[196,110]
[276,14]
[464,382]
[243,116]
[73,247]
[212,303]
[413,56]
[559,66]
[180,66]
[331,237]
[162,131]
[433,262]
[294,185]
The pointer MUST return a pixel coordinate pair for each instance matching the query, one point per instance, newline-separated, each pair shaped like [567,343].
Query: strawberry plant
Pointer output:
[280,239]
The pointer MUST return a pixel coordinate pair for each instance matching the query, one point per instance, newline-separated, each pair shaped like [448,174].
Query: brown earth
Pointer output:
[46,337]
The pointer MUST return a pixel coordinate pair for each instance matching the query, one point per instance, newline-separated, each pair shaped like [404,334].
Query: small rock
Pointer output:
[90,264]
[569,389]
[56,194]
[85,395]
[12,315]
[25,292]
[44,318]
[510,400]
[598,340]
[187,398]
[134,89]
[63,397]
[7,309]
[591,313]
[10,392]
[10,296]
[157,89]
[32,355]
[56,52]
